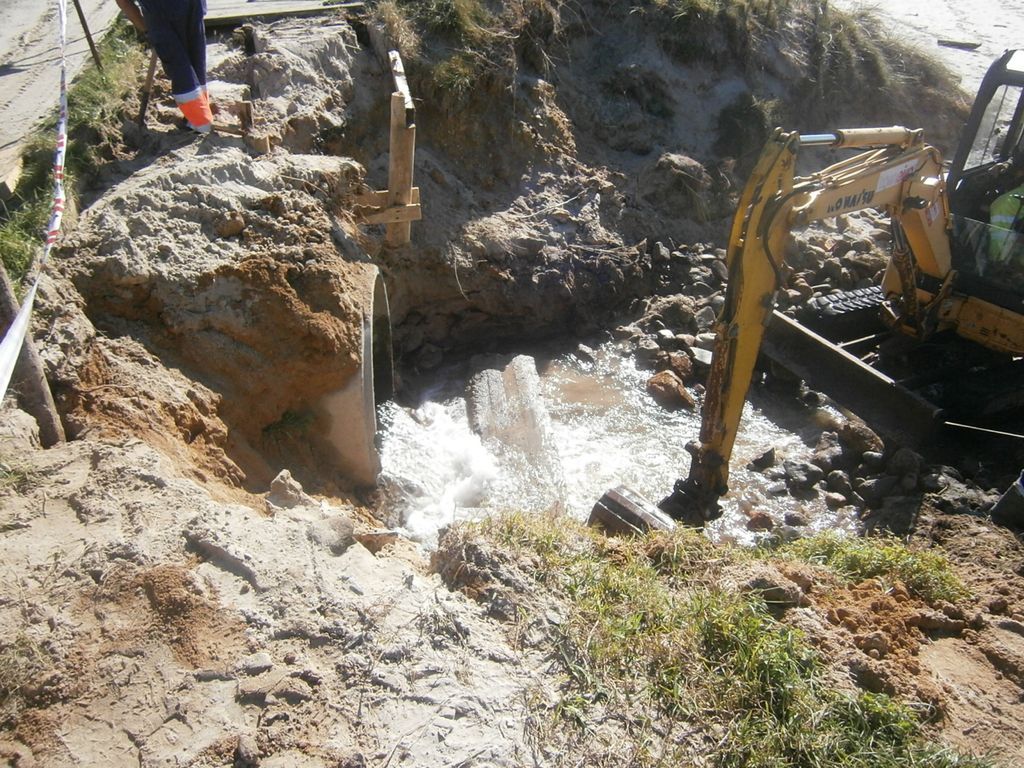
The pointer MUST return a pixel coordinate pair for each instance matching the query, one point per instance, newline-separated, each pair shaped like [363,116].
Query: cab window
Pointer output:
[999,134]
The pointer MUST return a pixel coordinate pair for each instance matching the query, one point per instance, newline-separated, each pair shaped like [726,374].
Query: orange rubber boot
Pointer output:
[197,112]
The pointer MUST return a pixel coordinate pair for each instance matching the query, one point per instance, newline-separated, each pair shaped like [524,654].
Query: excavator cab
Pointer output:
[988,251]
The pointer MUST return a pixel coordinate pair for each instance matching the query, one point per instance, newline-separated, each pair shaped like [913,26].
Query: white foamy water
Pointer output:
[606,431]
[440,465]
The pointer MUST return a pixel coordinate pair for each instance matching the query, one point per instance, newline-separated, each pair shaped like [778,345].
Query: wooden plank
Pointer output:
[963,45]
[400,168]
[399,215]
[375,199]
[402,87]
[232,12]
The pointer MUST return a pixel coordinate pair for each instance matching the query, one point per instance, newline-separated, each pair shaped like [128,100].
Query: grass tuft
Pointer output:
[21,660]
[95,102]
[399,29]
[650,631]
[15,477]
[928,574]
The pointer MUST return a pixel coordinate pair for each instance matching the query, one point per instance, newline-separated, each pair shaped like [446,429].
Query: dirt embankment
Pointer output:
[204,306]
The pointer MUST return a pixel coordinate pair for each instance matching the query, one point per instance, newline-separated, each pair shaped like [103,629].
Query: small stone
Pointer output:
[797,519]
[873,491]
[706,317]
[936,620]
[835,500]
[256,664]
[704,341]
[760,521]
[291,690]
[875,641]
[858,437]
[873,459]
[828,453]
[585,354]
[905,462]
[720,270]
[230,225]
[765,460]
[801,475]
[529,246]
[247,753]
[997,605]
[286,491]
[681,365]
[669,392]
[701,357]
[934,482]
[646,352]
[839,482]
[788,533]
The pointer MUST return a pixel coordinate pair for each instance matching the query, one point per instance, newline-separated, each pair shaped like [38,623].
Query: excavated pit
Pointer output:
[218,303]
[248,272]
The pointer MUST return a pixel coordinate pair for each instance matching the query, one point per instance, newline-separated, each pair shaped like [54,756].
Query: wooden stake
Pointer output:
[88,36]
[147,90]
[402,153]
[29,377]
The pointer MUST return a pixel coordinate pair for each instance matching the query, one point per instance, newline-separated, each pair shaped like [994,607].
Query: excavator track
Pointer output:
[841,316]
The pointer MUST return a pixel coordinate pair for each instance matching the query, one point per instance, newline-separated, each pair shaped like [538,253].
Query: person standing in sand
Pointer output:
[176,32]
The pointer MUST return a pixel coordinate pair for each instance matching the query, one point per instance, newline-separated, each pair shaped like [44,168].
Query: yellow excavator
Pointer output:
[943,279]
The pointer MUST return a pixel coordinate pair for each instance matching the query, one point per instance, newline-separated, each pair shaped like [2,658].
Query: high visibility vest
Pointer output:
[1003,213]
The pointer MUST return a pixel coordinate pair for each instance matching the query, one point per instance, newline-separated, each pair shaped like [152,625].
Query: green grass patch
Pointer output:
[650,629]
[453,48]
[15,477]
[95,103]
[927,574]
[460,20]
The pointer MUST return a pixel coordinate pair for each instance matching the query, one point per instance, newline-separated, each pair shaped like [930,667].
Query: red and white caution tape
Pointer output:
[10,348]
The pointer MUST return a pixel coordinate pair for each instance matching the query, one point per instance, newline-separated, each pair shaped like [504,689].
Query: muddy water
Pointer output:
[606,431]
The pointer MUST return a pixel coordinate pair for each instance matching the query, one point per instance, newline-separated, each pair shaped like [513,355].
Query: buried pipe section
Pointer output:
[351,412]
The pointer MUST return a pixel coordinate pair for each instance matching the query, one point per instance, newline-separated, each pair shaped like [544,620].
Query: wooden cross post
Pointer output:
[402,153]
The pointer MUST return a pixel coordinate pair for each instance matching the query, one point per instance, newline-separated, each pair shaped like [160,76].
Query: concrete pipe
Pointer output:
[351,412]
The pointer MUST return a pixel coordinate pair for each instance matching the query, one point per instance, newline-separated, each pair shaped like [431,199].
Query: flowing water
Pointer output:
[605,430]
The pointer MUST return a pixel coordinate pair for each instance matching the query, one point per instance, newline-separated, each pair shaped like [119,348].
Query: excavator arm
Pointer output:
[897,173]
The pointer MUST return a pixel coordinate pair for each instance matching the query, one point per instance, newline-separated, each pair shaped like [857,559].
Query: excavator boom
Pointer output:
[897,173]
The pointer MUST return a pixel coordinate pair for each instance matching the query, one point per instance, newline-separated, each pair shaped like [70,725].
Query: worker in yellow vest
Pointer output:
[1006,236]
[175,30]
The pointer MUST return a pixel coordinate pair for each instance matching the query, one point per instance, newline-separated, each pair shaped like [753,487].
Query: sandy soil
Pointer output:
[993,26]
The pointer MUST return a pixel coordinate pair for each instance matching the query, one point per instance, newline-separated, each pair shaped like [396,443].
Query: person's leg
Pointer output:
[196,39]
[167,27]
[196,45]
